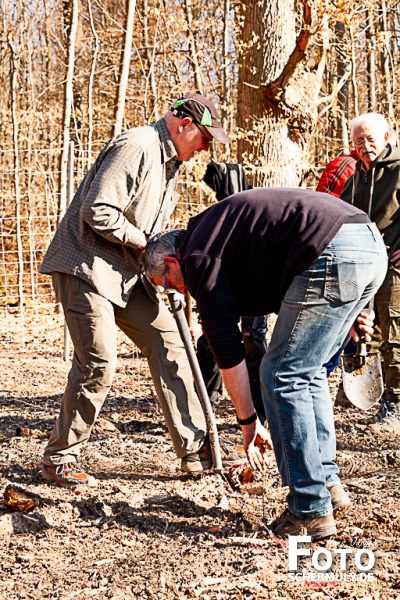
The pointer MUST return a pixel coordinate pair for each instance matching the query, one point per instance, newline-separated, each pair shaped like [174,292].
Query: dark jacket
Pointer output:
[239,256]
[226,179]
[377,192]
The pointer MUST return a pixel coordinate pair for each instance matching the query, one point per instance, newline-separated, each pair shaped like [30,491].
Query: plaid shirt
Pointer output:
[129,191]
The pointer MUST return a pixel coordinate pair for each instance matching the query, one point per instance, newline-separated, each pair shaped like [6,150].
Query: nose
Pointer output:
[367,144]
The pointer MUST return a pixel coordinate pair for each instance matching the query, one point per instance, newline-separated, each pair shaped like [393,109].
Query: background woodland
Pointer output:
[287,77]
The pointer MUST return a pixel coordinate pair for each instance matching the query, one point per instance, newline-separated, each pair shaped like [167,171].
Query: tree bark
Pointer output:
[15,59]
[68,98]
[277,96]
[371,63]
[91,83]
[124,70]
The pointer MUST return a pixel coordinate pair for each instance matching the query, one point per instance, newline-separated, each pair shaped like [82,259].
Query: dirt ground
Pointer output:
[147,530]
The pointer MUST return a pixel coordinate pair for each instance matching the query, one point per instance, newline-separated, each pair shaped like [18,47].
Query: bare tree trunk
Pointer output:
[226,82]
[124,72]
[371,62]
[354,74]
[193,52]
[388,66]
[17,185]
[343,93]
[277,96]
[150,55]
[91,83]
[68,96]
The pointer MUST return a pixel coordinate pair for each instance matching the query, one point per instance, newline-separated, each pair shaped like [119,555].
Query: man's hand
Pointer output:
[395,258]
[365,322]
[147,236]
[256,439]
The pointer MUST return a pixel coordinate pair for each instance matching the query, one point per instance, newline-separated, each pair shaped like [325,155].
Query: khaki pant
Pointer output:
[92,321]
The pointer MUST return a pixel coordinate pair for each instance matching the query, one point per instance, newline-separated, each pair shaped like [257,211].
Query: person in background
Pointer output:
[226,179]
[375,189]
[336,173]
[127,195]
[332,181]
[272,250]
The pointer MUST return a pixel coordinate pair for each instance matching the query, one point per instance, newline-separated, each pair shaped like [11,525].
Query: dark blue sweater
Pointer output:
[239,256]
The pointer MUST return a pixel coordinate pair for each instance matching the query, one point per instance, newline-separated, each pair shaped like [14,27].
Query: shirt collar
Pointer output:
[167,147]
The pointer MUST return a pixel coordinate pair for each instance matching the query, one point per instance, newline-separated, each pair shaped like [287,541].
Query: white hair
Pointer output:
[374,120]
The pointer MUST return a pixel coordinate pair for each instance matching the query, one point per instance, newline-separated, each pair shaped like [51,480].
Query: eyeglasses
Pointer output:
[207,139]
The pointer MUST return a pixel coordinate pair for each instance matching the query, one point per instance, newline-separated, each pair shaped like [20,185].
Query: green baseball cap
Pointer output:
[202,112]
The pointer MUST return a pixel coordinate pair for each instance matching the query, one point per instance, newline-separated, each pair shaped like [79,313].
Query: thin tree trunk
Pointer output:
[193,52]
[17,184]
[371,63]
[388,66]
[226,82]
[91,83]
[343,93]
[124,73]
[68,97]
[150,55]
[354,74]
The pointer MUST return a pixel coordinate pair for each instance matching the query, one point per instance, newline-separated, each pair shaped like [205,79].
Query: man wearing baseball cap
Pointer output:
[127,195]
[202,112]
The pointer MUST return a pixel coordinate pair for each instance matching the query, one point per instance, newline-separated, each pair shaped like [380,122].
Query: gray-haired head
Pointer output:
[373,120]
[161,245]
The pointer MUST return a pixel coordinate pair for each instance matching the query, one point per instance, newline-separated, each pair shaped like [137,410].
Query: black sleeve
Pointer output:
[209,286]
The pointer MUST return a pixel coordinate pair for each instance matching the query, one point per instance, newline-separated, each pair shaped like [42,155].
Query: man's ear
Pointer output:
[171,260]
[184,123]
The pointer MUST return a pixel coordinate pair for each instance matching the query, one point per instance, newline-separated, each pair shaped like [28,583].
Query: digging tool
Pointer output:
[362,374]
[178,312]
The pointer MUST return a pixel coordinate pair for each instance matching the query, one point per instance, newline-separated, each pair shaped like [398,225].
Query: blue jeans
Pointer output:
[316,314]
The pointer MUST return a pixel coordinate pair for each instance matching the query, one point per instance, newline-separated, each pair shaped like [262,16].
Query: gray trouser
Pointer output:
[91,321]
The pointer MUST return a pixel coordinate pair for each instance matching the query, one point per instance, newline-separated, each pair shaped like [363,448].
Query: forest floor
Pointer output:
[149,531]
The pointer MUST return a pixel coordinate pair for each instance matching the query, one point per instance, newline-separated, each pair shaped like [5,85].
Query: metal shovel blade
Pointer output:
[362,379]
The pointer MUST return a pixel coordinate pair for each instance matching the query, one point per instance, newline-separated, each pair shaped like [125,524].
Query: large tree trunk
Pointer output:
[277,97]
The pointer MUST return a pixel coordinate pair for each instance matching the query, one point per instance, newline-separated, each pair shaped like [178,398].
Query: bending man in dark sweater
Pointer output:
[315,262]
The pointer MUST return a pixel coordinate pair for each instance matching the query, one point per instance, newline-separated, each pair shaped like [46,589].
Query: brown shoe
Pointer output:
[67,475]
[317,527]
[339,497]
[196,462]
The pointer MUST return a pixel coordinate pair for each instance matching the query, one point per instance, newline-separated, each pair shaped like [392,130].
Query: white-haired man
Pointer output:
[375,188]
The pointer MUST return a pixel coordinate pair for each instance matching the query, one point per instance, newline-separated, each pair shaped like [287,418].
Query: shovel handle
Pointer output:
[362,344]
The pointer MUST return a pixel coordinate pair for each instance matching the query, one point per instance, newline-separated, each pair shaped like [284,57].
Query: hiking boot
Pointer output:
[339,497]
[67,475]
[386,420]
[317,527]
[199,461]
